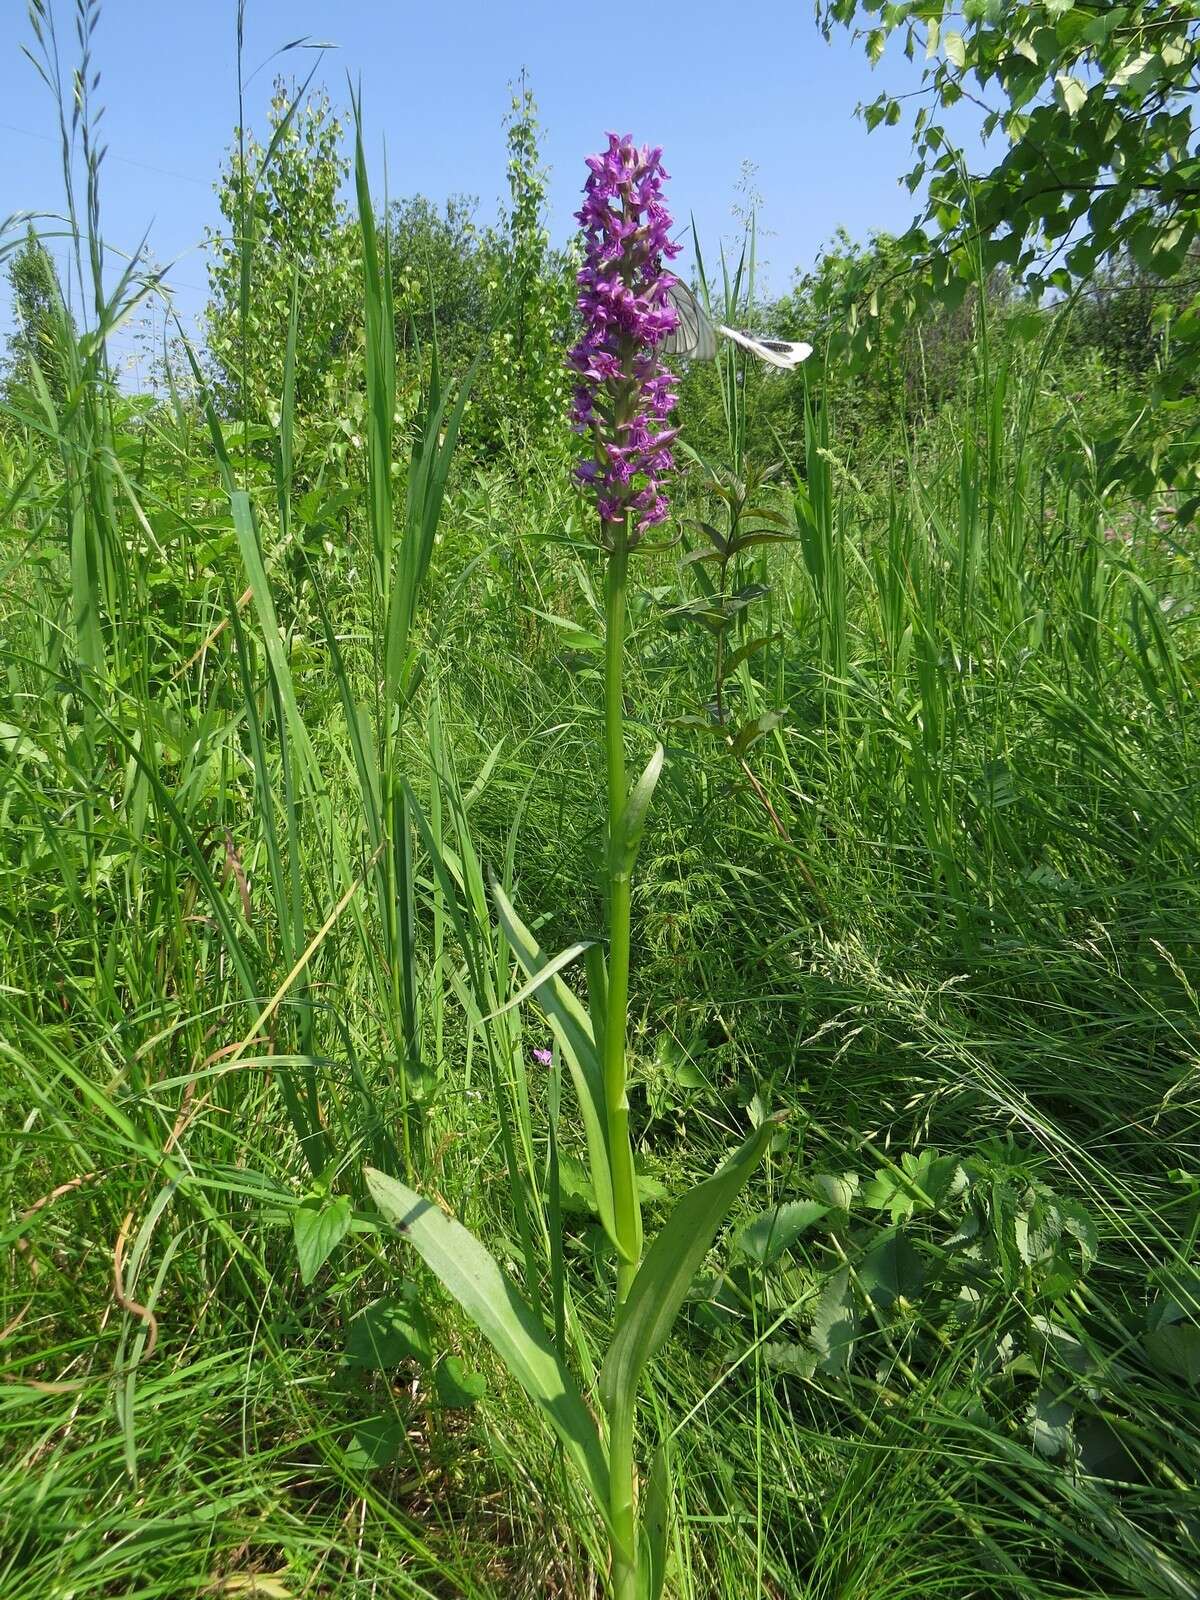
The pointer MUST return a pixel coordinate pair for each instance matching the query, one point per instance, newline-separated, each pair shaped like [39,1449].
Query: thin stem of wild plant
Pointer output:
[626,1209]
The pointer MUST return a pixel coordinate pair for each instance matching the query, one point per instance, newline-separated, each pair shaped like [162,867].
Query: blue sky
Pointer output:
[722,86]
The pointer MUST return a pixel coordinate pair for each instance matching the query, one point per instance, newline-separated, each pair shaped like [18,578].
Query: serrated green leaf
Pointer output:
[1079,1226]
[838,1189]
[390,1331]
[773,1232]
[456,1387]
[1049,1419]
[955,47]
[794,1359]
[1071,93]
[319,1224]
[1129,69]
[1175,1349]
[891,1268]
[835,1324]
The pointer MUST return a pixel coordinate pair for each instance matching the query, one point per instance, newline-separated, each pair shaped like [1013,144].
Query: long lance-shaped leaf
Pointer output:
[380,371]
[471,1274]
[667,1272]
[429,469]
[474,941]
[633,818]
[656,1513]
[563,959]
[573,1030]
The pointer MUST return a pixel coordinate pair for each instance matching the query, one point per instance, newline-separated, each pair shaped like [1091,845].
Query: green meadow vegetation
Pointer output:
[324,859]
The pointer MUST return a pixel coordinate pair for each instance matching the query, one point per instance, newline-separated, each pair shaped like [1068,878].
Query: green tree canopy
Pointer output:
[1095,102]
[38,311]
[285,220]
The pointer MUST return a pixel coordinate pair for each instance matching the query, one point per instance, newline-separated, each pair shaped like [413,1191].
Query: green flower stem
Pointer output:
[625,1197]
[621,1508]
[627,1211]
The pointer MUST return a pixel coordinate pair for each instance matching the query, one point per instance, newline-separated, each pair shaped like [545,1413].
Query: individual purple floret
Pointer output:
[622,396]
[543,1057]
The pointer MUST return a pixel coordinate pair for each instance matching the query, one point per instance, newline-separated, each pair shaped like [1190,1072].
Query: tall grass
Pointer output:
[249,947]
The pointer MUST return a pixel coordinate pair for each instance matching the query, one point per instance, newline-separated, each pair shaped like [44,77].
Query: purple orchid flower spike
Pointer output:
[623,397]
[543,1057]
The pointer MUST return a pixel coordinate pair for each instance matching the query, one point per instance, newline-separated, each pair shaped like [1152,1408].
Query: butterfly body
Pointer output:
[695,336]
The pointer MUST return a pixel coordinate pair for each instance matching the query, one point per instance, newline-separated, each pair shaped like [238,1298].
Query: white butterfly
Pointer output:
[695,336]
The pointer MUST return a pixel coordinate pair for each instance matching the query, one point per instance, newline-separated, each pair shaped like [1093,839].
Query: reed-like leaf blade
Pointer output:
[471,1274]
[573,1029]
[671,1264]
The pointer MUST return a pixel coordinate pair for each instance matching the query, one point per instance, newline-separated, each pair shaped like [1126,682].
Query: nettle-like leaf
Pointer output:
[1049,1419]
[835,1325]
[891,1269]
[919,1183]
[319,1224]
[390,1331]
[456,1386]
[1057,1344]
[794,1360]
[1045,1226]
[1175,1350]
[838,1190]
[772,1232]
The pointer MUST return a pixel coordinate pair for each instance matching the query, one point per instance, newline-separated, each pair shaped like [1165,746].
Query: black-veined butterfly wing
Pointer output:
[693,336]
[785,353]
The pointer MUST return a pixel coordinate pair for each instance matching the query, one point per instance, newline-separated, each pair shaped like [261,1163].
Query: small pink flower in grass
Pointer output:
[543,1057]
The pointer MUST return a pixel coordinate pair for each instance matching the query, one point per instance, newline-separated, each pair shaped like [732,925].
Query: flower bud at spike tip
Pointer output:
[622,396]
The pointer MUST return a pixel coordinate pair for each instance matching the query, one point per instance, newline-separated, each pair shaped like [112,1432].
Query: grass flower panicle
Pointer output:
[623,397]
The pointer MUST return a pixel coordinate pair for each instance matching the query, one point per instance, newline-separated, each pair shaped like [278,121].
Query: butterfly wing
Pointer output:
[785,353]
[693,336]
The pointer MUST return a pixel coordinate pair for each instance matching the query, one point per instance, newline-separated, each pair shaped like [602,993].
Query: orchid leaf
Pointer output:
[668,1271]
[633,818]
[656,1512]
[489,1298]
[572,1028]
